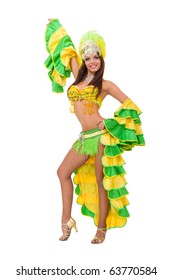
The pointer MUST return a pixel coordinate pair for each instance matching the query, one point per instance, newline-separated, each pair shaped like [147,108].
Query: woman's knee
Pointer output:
[99,175]
[100,184]
[62,173]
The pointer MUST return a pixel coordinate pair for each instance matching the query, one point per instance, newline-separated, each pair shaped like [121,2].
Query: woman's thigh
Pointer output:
[71,162]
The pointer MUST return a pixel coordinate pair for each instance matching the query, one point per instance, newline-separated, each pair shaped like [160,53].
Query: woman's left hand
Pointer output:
[49,19]
[100,124]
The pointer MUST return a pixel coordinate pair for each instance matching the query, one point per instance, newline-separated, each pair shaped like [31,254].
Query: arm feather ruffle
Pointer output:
[126,126]
[61,49]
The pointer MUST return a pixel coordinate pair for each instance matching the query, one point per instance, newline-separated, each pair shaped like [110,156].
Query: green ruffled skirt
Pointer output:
[121,133]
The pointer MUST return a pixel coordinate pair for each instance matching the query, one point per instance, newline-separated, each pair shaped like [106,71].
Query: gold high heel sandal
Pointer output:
[98,240]
[67,229]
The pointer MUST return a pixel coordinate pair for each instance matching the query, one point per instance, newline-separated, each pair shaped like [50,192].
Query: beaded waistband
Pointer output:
[92,134]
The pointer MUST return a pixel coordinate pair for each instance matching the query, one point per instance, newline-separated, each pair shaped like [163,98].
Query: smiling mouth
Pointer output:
[93,66]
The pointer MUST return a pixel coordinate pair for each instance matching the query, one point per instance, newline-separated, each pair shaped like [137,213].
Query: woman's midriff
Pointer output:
[87,114]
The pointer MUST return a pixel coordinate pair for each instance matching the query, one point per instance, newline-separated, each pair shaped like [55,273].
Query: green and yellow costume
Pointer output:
[121,133]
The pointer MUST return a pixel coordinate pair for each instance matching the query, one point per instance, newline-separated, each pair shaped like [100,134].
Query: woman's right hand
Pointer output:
[100,124]
[49,19]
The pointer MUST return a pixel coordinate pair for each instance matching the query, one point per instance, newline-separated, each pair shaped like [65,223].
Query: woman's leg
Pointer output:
[71,162]
[102,193]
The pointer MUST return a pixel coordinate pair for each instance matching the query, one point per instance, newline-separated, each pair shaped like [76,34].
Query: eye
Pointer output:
[87,59]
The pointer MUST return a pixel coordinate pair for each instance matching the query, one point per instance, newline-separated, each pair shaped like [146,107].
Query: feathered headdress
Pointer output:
[93,43]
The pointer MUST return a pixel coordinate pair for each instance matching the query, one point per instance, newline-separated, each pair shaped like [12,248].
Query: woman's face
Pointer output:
[92,63]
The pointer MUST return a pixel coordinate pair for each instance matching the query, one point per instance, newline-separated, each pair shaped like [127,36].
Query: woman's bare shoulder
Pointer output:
[113,90]
[107,85]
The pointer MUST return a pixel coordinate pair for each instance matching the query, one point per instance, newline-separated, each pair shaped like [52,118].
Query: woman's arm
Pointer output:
[74,66]
[114,91]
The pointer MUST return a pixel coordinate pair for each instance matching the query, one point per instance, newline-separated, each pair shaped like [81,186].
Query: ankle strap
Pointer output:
[65,229]
[102,230]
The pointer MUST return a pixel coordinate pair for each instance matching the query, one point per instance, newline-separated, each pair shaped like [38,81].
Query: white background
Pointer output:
[34,138]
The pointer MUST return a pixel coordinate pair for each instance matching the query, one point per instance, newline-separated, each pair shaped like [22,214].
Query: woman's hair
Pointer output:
[98,77]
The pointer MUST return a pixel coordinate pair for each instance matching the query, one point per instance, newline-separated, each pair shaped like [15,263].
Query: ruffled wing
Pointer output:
[126,126]
[61,49]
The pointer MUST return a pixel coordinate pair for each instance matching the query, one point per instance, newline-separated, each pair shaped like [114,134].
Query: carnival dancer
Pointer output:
[96,157]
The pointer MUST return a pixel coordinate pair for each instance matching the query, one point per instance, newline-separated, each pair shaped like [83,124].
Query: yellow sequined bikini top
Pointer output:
[89,93]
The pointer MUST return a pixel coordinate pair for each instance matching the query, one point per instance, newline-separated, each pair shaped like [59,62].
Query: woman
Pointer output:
[96,156]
